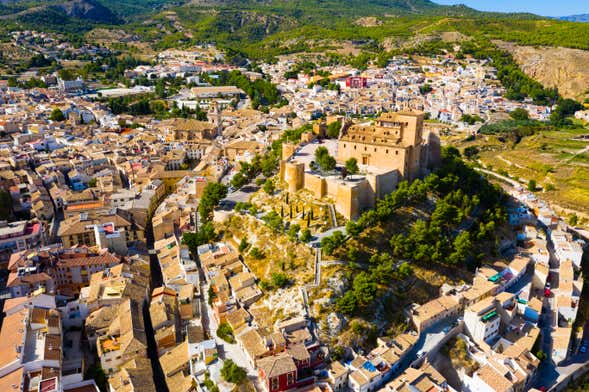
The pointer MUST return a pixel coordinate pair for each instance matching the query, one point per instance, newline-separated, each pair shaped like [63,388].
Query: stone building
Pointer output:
[393,142]
[179,129]
[392,149]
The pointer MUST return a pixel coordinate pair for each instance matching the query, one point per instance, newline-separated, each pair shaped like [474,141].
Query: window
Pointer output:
[274,384]
[290,379]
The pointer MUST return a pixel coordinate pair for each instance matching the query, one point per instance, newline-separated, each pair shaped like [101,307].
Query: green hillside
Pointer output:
[265,28]
[261,29]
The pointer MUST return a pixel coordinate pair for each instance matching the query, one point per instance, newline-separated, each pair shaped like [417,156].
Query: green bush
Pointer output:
[280,279]
[233,373]
[226,333]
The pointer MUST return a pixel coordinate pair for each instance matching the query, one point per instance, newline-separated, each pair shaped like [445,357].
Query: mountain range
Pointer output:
[576,18]
[264,28]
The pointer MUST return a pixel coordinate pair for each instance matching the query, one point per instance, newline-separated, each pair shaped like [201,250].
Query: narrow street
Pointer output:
[156,281]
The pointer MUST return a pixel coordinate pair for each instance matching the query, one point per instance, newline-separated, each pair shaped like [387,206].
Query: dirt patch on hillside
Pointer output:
[369,21]
[554,67]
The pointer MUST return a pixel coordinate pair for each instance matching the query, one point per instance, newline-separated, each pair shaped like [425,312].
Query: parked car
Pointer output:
[547,292]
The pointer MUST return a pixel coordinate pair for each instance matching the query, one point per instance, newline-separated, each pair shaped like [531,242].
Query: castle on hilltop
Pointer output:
[392,149]
[393,142]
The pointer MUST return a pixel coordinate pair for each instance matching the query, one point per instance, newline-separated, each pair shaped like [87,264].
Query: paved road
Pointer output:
[241,195]
[316,241]
[428,339]
[511,181]
[549,374]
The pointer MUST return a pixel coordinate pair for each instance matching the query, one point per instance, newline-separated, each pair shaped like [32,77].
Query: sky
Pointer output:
[540,7]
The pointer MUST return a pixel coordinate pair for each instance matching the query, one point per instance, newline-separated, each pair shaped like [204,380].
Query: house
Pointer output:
[365,376]
[337,376]
[277,372]
[110,287]
[79,229]
[74,267]
[20,235]
[32,353]
[175,365]
[256,346]
[125,339]
[436,310]
[424,379]
[482,320]
[163,312]
[135,375]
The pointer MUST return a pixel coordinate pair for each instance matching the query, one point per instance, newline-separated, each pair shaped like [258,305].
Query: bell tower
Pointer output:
[215,117]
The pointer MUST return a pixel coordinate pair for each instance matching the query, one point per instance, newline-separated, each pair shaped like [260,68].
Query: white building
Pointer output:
[482,320]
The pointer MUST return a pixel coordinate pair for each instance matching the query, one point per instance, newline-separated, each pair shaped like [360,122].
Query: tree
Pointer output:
[256,253]
[96,373]
[352,166]
[565,108]
[212,195]
[269,187]
[205,235]
[462,248]
[471,119]
[233,373]
[226,333]
[333,129]
[337,353]
[520,114]
[325,161]
[471,152]
[92,182]
[274,221]
[573,219]
[425,89]
[243,245]
[293,232]
[404,271]
[5,205]
[331,243]
[57,115]
[364,288]
[306,235]
[280,279]
[212,295]
[532,185]
[347,304]
[353,229]
[66,74]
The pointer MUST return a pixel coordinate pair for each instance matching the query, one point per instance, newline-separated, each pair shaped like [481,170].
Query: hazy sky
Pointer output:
[540,7]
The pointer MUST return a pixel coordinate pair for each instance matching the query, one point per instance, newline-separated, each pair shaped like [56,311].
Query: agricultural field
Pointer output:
[557,159]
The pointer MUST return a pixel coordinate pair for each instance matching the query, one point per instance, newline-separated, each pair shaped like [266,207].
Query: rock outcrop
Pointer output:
[563,68]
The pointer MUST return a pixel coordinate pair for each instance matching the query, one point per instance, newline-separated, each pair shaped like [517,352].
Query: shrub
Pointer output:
[532,185]
[233,373]
[257,253]
[280,279]
[226,333]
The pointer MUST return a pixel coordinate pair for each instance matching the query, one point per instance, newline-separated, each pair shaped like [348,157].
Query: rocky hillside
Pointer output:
[554,67]
[87,9]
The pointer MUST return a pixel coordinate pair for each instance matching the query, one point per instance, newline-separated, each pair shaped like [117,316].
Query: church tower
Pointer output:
[215,117]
